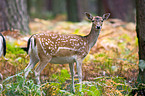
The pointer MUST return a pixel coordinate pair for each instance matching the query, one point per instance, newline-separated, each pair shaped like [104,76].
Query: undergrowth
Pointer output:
[18,85]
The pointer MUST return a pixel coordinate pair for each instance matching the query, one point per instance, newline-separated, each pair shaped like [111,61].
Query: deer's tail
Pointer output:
[31,44]
[4,45]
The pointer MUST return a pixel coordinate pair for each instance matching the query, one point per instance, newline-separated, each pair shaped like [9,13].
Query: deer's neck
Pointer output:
[93,36]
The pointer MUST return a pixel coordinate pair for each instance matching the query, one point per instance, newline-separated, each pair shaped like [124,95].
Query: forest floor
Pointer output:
[112,63]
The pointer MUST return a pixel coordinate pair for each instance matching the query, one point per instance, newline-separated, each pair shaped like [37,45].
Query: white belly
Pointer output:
[62,60]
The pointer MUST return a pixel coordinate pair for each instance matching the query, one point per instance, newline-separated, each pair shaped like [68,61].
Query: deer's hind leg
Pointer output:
[33,61]
[42,64]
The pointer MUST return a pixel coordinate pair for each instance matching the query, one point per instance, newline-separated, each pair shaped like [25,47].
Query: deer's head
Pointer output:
[97,20]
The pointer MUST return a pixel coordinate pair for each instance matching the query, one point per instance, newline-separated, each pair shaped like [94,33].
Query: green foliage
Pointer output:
[59,85]
[89,88]
[13,49]
[62,77]
[101,86]
[16,55]
[18,85]
[113,86]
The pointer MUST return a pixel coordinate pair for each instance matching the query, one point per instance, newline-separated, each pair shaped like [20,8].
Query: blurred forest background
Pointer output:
[74,9]
[111,67]
[17,14]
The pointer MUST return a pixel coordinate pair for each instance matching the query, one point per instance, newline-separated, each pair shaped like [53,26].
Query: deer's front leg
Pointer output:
[79,69]
[39,68]
[71,66]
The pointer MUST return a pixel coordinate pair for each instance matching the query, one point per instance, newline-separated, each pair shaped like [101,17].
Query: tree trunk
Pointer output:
[140,17]
[13,15]
[122,9]
[74,13]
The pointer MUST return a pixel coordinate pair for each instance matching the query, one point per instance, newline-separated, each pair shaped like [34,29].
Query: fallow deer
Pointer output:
[62,49]
[2,45]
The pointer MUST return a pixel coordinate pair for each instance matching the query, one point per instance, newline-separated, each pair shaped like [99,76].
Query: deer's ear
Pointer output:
[89,16]
[106,16]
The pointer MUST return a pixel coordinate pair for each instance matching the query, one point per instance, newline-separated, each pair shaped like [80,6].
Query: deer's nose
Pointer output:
[98,27]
